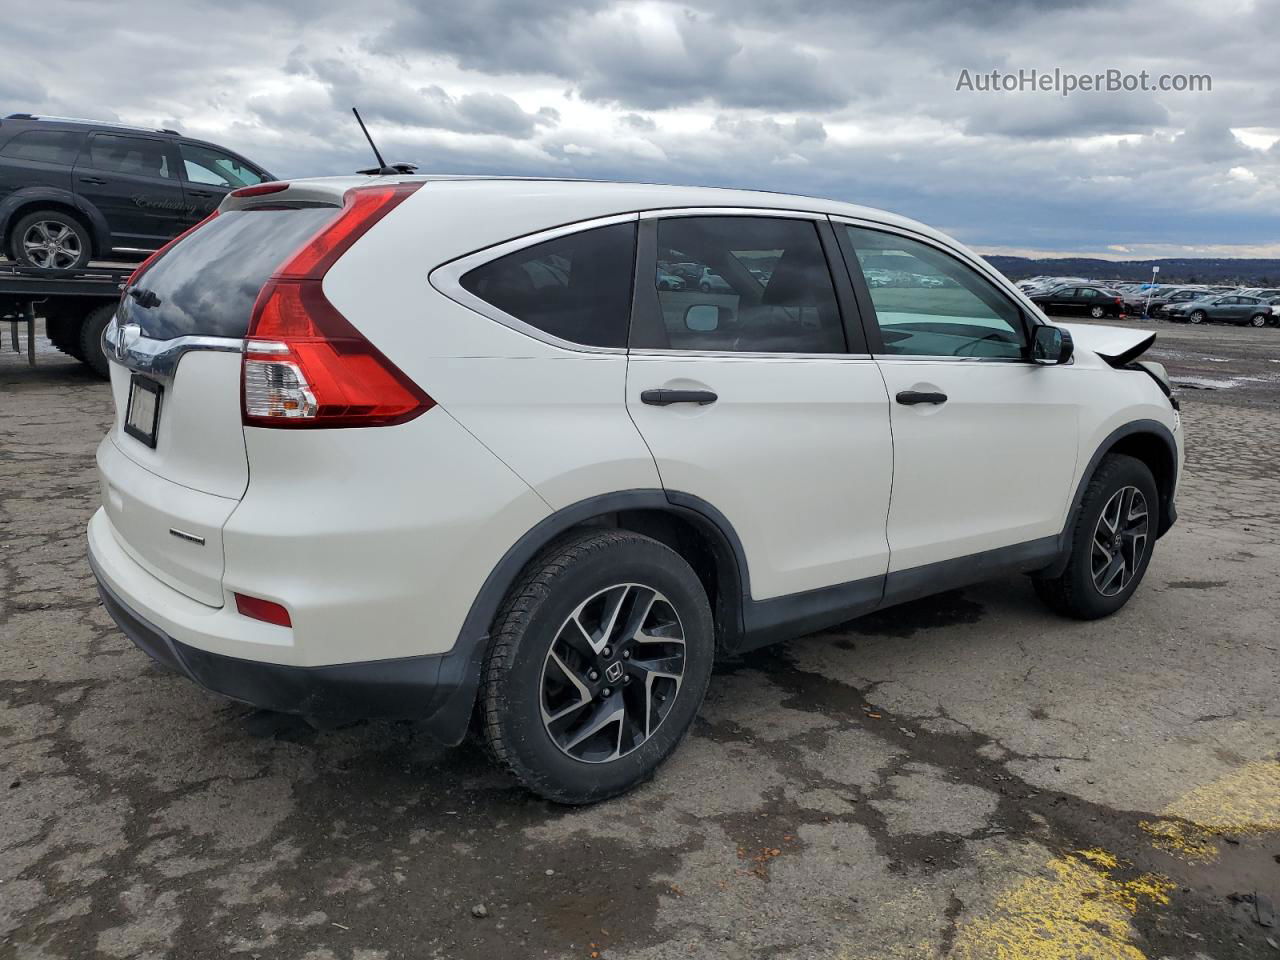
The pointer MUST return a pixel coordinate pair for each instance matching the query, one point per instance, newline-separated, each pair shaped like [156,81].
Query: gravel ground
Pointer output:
[963,777]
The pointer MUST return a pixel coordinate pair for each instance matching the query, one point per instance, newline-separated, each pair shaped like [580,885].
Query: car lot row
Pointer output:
[1252,306]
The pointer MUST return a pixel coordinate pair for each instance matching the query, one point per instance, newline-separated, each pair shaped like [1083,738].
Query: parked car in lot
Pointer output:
[668,281]
[361,465]
[76,190]
[1091,300]
[1174,296]
[1229,309]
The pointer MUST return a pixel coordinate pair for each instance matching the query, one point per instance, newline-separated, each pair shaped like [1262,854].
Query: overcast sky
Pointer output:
[850,99]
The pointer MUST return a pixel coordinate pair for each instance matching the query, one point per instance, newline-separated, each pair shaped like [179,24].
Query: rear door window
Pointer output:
[137,156]
[750,285]
[206,285]
[575,288]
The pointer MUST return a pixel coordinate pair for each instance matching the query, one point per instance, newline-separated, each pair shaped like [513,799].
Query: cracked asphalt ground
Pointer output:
[962,777]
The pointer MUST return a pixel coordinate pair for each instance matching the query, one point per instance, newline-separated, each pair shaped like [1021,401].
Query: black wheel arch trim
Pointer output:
[1168,507]
[12,205]
[473,638]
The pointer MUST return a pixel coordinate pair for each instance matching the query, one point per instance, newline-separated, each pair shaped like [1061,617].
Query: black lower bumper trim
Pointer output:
[438,690]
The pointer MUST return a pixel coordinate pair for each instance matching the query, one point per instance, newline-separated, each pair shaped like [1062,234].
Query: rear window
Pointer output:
[47,146]
[206,285]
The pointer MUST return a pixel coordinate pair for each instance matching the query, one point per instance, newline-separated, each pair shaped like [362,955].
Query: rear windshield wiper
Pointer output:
[145,298]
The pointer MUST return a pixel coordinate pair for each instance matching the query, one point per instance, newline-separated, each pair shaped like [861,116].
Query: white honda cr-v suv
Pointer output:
[453,448]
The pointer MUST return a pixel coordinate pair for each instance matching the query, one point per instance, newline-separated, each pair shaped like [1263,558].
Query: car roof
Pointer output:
[619,195]
[80,123]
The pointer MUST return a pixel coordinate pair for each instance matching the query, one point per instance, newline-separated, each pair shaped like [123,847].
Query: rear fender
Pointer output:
[15,206]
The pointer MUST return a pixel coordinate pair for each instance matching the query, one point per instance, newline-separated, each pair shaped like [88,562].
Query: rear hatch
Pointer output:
[177,465]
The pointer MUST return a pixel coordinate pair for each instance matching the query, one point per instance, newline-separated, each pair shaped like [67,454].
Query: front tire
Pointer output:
[598,663]
[1198,316]
[1111,543]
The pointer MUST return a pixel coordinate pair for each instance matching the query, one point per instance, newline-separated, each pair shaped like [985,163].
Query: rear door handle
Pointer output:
[664,398]
[910,398]
[97,180]
[200,193]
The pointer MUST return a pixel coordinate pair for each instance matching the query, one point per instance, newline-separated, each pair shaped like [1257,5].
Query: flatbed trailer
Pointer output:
[76,306]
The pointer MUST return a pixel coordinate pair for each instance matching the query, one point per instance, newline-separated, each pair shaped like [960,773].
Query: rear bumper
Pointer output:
[438,690]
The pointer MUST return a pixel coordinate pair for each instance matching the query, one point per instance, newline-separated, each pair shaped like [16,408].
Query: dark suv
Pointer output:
[76,190]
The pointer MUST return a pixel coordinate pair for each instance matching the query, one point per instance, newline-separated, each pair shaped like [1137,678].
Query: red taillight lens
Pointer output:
[304,364]
[146,264]
[362,208]
[259,189]
[265,610]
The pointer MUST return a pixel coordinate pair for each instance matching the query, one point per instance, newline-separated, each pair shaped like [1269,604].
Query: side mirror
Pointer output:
[702,318]
[1052,345]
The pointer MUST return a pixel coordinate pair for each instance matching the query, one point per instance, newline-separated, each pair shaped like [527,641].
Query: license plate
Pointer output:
[142,418]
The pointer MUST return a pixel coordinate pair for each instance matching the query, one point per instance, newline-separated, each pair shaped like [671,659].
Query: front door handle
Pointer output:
[910,398]
[664,398]
[97,180]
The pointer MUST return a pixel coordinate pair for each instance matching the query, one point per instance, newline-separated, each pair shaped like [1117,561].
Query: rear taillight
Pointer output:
[146,264]
[304,364]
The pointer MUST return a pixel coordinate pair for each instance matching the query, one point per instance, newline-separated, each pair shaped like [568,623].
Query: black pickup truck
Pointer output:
[76,306]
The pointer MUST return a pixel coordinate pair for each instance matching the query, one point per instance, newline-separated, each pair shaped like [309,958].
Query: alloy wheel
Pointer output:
[1119,541]
[1198,316]
[51,245]
[1097,313]
[1259,321]
[612,673]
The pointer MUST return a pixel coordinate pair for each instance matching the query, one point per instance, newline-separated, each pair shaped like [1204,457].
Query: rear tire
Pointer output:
[1097,313]
[91,340]
[50,240]
[554,672]
[1107,563]
[1258,320]
[64,333]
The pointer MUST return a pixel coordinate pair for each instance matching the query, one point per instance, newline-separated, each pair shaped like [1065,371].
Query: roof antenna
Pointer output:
[383,168]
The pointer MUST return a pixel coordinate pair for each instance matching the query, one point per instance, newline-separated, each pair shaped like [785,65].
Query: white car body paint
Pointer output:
[378,540]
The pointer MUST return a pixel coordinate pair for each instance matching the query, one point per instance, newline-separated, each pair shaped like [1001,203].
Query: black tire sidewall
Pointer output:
[1117,472]
[86,241]
[546,768]
[91,354]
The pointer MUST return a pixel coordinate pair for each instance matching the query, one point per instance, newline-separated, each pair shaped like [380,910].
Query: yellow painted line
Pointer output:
[1244,803]
[1078,908]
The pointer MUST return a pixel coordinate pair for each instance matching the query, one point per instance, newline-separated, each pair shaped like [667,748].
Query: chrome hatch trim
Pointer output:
[157,359]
